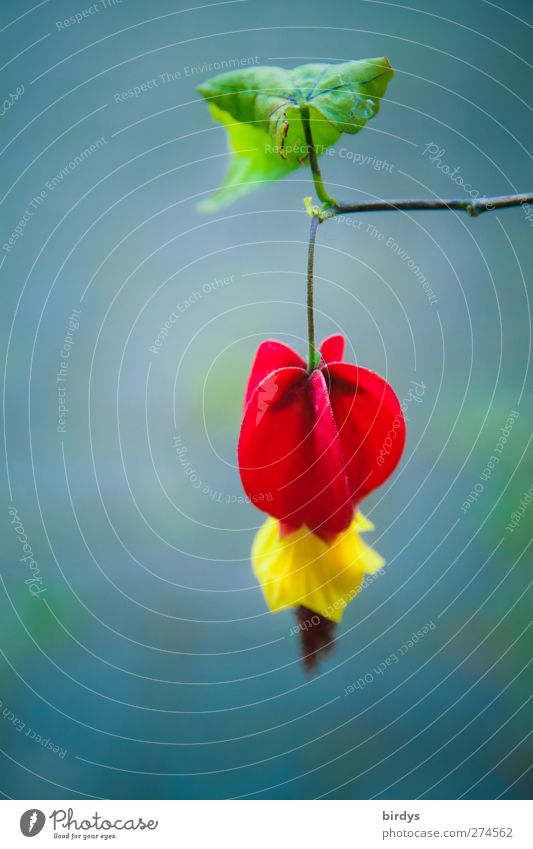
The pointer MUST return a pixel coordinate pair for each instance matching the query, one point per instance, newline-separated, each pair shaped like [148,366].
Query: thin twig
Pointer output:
[332,207]
[473,207]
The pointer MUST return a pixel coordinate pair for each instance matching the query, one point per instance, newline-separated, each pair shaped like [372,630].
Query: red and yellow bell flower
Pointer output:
[312,446]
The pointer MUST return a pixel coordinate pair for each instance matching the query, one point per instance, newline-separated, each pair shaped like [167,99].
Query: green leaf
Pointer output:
[252,163]
[261,110]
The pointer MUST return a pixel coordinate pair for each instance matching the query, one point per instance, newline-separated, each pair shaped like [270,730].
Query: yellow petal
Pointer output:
[303,569]
[362,524]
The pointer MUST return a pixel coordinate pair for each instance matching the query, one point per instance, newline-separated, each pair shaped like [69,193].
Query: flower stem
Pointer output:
[314,356]
[320,187]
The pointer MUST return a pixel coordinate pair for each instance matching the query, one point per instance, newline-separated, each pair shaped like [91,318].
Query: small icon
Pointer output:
[266,395]
[32,822]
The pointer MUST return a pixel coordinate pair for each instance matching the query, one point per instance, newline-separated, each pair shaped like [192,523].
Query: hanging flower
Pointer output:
[312,446]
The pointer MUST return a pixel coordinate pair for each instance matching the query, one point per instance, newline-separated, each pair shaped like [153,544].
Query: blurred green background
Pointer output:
[148,656]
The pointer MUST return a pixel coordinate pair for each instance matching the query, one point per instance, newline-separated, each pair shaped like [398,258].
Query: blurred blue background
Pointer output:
[145,664]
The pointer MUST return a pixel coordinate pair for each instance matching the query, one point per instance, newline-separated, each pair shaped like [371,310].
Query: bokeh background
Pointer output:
[147,659]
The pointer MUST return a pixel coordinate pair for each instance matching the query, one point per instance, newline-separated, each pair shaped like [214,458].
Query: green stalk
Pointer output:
[320,187]
[314,355]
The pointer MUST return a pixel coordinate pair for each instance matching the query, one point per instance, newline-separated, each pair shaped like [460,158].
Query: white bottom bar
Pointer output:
[267,824]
